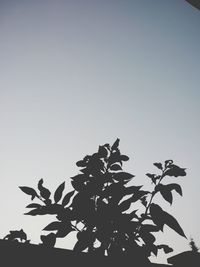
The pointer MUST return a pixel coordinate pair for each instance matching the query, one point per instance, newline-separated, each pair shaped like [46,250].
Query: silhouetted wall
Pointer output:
[26,255]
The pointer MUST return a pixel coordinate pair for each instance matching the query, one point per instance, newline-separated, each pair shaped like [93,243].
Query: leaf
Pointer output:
[144,201]
[125,205]
[34,212]
[161,217]
[147,237]
[67,198]
[102,152]
[154,249]
[44,192]
[34,205]
[124,158]
[150,227]
[175,171]
[64,230]
[122,176]
[173,224]
[29,191]
[157,215]
[115,167]
[175,187]
[132,189]
[132,215]
[52,226]
[165,192]
[58,193]
[150,175]
[115,145]
[81,163]
[158,165]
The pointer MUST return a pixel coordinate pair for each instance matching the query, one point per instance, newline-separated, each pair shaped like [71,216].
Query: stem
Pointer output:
[149,204]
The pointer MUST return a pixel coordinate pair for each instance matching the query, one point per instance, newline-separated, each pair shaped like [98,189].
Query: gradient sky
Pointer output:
[76,74]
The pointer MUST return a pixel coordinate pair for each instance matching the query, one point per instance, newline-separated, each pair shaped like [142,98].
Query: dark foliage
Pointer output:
[17,236]
[193,246]
[101,206]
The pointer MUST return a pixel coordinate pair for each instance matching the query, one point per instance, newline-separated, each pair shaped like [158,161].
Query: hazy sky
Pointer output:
[76,74]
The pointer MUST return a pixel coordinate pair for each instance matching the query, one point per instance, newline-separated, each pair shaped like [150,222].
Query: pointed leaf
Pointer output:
[52,226]
[175,187]
[29,191]
[165,192]
[67,198]
[64,230]
[173,224]
[124,158]
[158,165]
[161,217]
[34,205]
[34,212]
[58,193]
[125,205]
[157,215]
[150,175]
[132,189]
[115,145]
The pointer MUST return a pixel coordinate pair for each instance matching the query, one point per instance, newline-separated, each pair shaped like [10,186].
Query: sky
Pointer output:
[77,74]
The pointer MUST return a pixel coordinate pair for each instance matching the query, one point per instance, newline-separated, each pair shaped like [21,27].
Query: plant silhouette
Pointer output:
[17,236]
[102,206]
[193,246]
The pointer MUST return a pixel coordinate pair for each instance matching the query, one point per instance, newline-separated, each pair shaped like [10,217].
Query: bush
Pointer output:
[101,206]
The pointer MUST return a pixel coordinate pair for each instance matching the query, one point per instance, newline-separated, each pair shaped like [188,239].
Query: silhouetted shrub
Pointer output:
[101,206]
[193,246]
[17,236]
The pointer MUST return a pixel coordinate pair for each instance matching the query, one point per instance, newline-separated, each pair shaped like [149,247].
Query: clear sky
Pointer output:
[76,74]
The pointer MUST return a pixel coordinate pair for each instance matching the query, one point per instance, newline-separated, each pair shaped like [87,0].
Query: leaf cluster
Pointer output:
[101,206]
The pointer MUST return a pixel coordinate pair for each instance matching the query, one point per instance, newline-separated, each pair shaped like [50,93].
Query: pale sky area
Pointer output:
[77,74]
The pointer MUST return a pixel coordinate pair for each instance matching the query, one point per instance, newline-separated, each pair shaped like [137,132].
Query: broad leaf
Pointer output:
[157,215]
[161,217]
[173,224]
[175,171]
[165,192]
[175,187]
[102,152]
[58,193]
[29,191]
